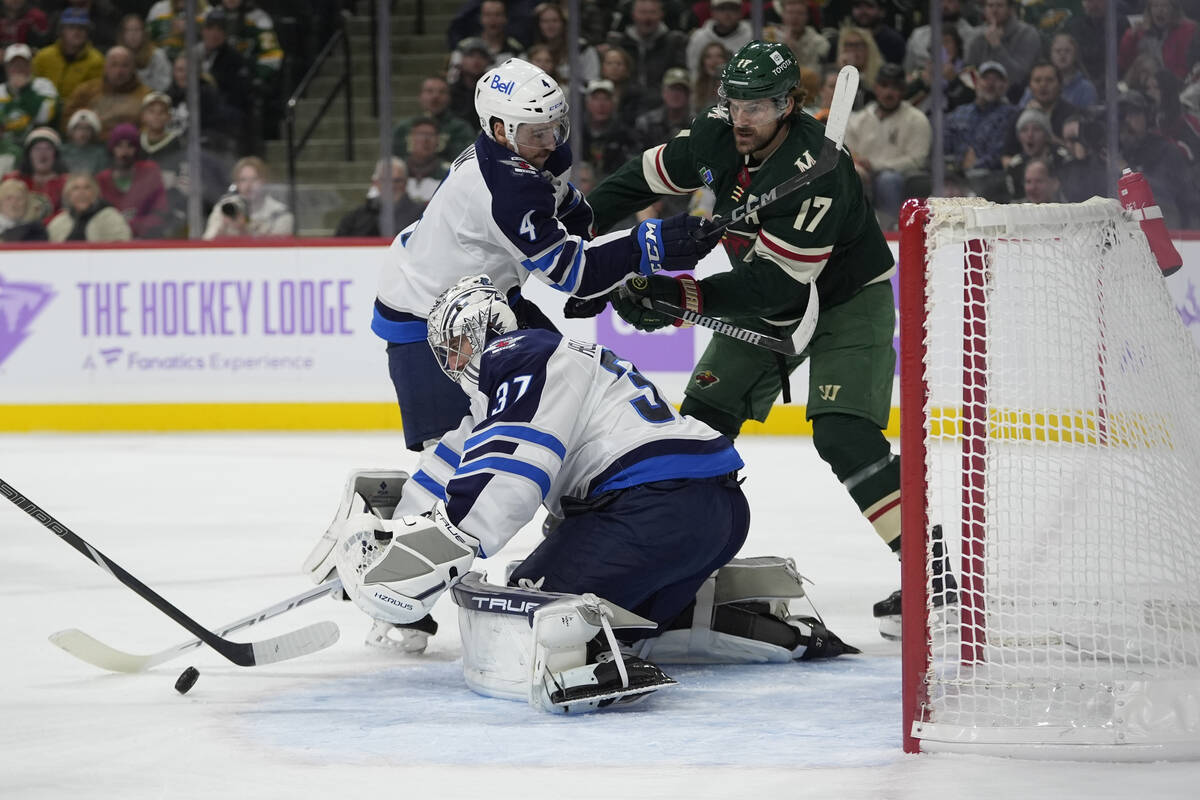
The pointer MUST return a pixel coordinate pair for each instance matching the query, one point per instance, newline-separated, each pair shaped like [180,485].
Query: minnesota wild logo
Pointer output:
[706,379]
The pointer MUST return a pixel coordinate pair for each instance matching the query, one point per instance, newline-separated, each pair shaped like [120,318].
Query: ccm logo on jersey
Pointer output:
[501,86]
[752,205]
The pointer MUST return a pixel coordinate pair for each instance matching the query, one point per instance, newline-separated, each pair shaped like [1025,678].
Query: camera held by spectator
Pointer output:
[233,205]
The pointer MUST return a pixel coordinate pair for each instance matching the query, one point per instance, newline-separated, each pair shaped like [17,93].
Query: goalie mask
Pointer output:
[529,102]
[460,322]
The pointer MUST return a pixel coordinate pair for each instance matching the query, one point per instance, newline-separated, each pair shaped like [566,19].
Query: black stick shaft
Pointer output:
[239,653]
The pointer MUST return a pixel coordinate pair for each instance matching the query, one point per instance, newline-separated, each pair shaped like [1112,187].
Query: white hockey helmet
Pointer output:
[529,102]
[460,322]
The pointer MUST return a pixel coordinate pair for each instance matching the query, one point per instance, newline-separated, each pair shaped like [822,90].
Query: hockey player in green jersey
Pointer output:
[824,234]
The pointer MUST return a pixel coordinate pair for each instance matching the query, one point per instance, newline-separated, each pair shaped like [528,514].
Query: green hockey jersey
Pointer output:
[825,231]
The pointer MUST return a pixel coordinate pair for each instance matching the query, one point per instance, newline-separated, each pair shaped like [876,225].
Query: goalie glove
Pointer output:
[396,569]
[632,301]
[674,243]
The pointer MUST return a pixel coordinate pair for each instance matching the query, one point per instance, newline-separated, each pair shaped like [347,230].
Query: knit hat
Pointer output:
[84,116]
[1039,118]
[43,134]
[123,133]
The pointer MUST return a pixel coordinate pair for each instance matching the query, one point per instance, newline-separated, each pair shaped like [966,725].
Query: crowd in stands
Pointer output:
[93,111]
[98,88]
[1022,87]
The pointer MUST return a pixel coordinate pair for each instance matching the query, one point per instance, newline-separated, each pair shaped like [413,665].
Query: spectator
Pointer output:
[453,133]
[663,123]
[916,52]
[220,123]
[166,148]
[1036,141]
[26,102]
[41,170]
[1041,183]
[22,23]
[425,166]
[726,26]
[713,59]
[1045,89]
[583,175]
[958,80]
[1181,128]
[631,98]
[976,134]
[224,65]
[71,61]
[868,15]
[475,59]
[134,186]
[467,21]
[1085,174]
[607,142]
[856,47]
[86,216]
[493,30]
[890,140]
[829,76]
[1077,89]
[364,220]
[1163,164]
[83,151]
[551,30]
[247,210]
[540,56]
[153,66]
[810,84]
[166,22]
[1089,32]
[807,44]
[116,96]
[251,32]
[653,48]
[1005,40]
[15,225]
[1165,33]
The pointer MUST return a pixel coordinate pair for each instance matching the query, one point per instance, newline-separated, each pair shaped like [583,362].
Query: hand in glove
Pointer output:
[677,242]
[581,308]
[632,301]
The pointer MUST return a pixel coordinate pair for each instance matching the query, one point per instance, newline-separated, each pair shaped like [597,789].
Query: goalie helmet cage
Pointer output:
[1049,426]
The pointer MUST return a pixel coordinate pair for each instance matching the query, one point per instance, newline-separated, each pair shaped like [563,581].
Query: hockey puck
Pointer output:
[187,679]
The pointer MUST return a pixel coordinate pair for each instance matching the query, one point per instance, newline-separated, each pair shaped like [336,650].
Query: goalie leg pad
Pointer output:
[367,491]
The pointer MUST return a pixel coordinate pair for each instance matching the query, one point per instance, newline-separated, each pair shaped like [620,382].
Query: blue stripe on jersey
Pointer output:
[523,433]
[446,454]
[395,326]
[716,448]
[561,264]
[669,467]
[513,467]
[427,483]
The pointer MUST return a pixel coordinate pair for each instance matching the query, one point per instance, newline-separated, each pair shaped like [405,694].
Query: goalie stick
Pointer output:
[98,654]
[831,149]
[299,642]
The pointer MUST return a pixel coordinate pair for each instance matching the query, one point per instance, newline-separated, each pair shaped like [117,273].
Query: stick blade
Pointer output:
[98,654]
[844,93]
[300,642]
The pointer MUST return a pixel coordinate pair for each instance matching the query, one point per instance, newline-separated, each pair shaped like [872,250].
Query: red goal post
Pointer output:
[1050,425]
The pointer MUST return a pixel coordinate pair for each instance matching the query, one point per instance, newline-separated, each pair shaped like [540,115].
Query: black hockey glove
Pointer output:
[580,308]
[677,242]
[632,301]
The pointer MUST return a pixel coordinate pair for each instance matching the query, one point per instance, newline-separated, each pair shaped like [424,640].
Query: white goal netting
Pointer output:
[1062,431]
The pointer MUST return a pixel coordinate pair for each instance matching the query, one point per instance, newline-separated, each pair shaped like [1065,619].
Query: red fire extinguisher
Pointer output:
[1136,196]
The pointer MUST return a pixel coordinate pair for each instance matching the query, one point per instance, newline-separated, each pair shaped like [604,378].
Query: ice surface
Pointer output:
[220,524]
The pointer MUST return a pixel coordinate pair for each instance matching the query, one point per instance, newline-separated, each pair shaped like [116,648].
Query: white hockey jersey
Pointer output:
[496,214]
[554,418]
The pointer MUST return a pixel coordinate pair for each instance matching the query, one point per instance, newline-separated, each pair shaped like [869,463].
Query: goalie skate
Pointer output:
[412,639]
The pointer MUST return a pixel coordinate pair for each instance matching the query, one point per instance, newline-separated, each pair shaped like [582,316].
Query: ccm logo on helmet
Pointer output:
[502,86]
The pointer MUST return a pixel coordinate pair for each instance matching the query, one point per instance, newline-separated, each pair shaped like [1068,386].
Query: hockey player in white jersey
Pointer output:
[651,504]
[507,210]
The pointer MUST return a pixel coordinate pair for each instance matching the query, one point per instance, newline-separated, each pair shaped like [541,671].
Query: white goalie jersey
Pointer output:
[557,418]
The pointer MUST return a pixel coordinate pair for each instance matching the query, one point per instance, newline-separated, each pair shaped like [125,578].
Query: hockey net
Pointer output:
[1050,402]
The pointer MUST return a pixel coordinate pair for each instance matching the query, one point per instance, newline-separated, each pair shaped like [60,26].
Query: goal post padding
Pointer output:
[1049,425]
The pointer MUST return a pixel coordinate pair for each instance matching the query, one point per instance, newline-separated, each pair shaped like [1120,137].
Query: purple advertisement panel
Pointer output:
[668,350]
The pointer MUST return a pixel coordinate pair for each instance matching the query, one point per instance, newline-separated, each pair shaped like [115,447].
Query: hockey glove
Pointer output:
[677,242]
[633,300]
[580,308]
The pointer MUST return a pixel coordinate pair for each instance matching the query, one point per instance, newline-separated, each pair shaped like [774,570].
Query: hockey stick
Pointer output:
[831,150]
[299,642]
[98,654]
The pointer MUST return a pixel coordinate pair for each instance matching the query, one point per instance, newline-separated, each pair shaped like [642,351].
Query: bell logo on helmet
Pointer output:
[502,86]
